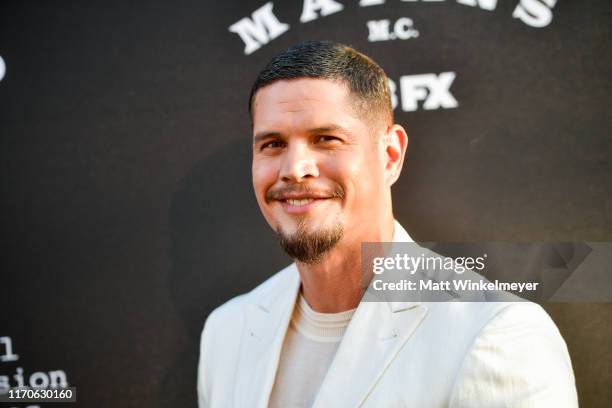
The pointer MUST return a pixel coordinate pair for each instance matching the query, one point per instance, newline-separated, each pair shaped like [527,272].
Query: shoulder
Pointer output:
[521,317]
[518,358]
[525,324]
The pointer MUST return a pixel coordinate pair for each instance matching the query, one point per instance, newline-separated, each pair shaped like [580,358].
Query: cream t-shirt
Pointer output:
[308,350]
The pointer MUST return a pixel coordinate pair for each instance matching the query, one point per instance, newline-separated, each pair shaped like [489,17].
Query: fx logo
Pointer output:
[433,90]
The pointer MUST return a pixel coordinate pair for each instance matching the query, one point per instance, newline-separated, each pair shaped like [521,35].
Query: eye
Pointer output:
[328,139]
[273,144]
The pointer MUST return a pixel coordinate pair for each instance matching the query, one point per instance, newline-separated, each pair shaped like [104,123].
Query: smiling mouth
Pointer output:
[299,202]
[302,196]
[301,206]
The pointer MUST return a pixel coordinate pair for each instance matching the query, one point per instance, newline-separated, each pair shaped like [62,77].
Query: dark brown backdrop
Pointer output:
[127,213]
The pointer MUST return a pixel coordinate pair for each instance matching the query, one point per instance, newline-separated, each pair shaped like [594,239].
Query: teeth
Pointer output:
[300,202]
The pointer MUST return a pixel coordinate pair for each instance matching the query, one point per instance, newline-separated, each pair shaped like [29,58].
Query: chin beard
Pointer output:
[309,248]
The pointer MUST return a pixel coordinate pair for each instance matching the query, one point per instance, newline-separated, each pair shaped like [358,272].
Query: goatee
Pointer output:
[309,248]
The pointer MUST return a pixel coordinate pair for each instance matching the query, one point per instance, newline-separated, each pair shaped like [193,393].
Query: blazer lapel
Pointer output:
[266,323]
[377,332]
[372,340]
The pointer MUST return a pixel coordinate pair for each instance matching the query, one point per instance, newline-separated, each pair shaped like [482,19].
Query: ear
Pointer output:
[395,142]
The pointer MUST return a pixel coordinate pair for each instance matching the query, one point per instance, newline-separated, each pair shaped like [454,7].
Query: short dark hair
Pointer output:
[365,79]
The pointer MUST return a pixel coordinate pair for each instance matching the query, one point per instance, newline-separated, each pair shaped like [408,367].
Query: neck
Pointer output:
[336,284]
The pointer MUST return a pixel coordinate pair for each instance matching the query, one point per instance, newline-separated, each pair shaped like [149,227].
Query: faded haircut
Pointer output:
[367,82]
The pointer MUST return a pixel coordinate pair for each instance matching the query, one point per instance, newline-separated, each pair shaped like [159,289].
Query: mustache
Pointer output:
[282,193]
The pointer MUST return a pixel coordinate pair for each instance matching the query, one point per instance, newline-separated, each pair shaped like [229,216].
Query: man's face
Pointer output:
[318,168]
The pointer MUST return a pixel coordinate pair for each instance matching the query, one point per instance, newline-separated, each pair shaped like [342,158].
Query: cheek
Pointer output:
[349,171]
[362,172]
[264,176]
[366,179]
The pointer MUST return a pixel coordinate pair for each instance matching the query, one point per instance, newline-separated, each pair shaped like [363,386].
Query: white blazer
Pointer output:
[444,354]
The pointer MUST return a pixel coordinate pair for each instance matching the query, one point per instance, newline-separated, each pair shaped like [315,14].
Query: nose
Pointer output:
[299,162]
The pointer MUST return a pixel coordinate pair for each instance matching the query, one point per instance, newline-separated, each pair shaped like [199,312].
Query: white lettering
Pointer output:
[425,285]
[19,377]
[413,88]
[39,380]
[465,285]
[534,13]
[379,30]
[58,379]
[403,29]
[2,68]
[261,29]
[483,4]
[8,343]
[460,285]
[439,92]
[4,384]
[327,7]
[366,3]
[433,89]
[377,265]
[403,284]
[52,379]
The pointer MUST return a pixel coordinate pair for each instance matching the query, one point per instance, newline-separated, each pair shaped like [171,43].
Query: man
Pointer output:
[325,155]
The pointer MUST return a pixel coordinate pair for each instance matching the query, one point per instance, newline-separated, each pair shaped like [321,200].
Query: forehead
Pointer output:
[303,103]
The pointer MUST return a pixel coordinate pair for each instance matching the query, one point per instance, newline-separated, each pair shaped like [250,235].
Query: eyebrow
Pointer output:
[321,129]
[265,135]
[330,128]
